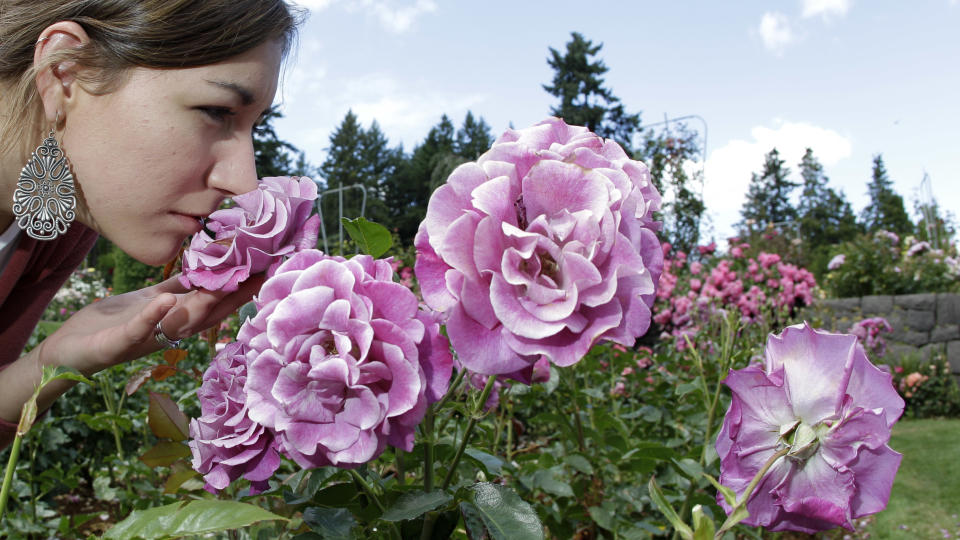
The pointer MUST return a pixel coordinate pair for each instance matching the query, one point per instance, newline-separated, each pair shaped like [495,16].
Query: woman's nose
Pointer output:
[235,171]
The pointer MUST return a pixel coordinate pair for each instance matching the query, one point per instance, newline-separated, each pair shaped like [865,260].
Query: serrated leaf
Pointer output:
[415,503]
[491,463]
[330,523]
[191,519]
[505,515]
[61,373]
[372,238]
[657,496]
[165,419]
[165,453]
[728,494]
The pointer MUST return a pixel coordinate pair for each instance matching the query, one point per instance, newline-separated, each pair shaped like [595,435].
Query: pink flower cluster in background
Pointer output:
[338,363]
[819,398]
[541,248]
[267,224]
[869,332]
[758,288]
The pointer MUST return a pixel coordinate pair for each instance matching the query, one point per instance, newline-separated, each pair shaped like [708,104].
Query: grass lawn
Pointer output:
[926,493]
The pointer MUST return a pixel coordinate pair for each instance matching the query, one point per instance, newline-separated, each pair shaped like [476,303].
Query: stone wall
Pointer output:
[922,323]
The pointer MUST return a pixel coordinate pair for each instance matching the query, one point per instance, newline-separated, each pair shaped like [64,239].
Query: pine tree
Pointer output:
[768,196]
[409,188]
[584,101]
[473,138]
[885,211]
[826,217]
[275,157]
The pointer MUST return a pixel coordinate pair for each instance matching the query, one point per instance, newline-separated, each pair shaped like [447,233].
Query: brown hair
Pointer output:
[125,34]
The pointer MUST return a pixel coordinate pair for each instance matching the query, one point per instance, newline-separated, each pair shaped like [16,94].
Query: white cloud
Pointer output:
[825,8]
[729,168]
[397,16]
[775,31]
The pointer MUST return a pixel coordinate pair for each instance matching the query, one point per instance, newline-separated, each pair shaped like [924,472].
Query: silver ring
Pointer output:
[163,340]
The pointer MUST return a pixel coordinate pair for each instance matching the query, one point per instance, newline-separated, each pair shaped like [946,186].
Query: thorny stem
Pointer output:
[428,450]
[474,416]
[8,476]
[581,441]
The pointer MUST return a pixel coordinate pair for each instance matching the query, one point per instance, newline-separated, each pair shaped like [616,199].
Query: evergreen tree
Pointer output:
[768,196]
[667,154]
[473,138]
[826,217]
[885,210]
[413,181]
[584,101]
[357,157]
[275,157]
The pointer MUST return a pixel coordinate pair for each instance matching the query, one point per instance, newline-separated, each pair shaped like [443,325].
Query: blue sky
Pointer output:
[848,78]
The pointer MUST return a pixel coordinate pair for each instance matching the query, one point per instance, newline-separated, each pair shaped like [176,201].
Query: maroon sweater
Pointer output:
[34,273]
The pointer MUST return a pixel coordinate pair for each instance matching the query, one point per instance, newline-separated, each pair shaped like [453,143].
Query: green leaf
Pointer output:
[551,481]
[728,494]
[505,514]
[192,519]
[492,464]
[176,480]
[165,453]
[657,496]
[703,526]
[372,238]
[473,522]
[247,311]
[415,503]
[602,516]
[59,373]
[166,420]
[330,523]
[579,463]
[690,468]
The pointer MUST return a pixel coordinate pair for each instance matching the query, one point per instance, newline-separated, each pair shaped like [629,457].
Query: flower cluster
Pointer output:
[760,289]
[268,223]
[338,362]
[883,263]
[869,331]
[542,247]
[821,412]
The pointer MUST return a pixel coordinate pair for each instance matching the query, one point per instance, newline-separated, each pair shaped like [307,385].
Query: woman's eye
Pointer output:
[219,114]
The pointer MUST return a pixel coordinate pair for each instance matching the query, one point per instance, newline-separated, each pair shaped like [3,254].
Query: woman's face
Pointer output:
[164,149]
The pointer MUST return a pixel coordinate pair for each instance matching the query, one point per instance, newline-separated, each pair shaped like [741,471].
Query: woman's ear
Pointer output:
[57,78]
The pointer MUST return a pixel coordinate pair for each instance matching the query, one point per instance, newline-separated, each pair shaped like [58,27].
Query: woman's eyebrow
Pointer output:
[245,95]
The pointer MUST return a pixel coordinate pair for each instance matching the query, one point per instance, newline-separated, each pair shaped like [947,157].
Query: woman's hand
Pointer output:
[121,328]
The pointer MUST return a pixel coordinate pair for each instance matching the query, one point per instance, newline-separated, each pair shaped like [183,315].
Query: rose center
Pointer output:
[802,439]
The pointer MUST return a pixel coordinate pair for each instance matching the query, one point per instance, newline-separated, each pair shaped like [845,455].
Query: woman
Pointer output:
[153,103]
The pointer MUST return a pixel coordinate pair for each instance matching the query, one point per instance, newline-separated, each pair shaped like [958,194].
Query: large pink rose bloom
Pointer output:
[267,224]
[819,396]
[540,248]
[341,361]
[226,443]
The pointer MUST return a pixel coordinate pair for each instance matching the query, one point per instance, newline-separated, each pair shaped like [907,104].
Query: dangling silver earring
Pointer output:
[45,201]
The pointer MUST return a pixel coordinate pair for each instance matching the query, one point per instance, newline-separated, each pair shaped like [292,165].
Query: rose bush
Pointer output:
[542,247]
[267,224]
